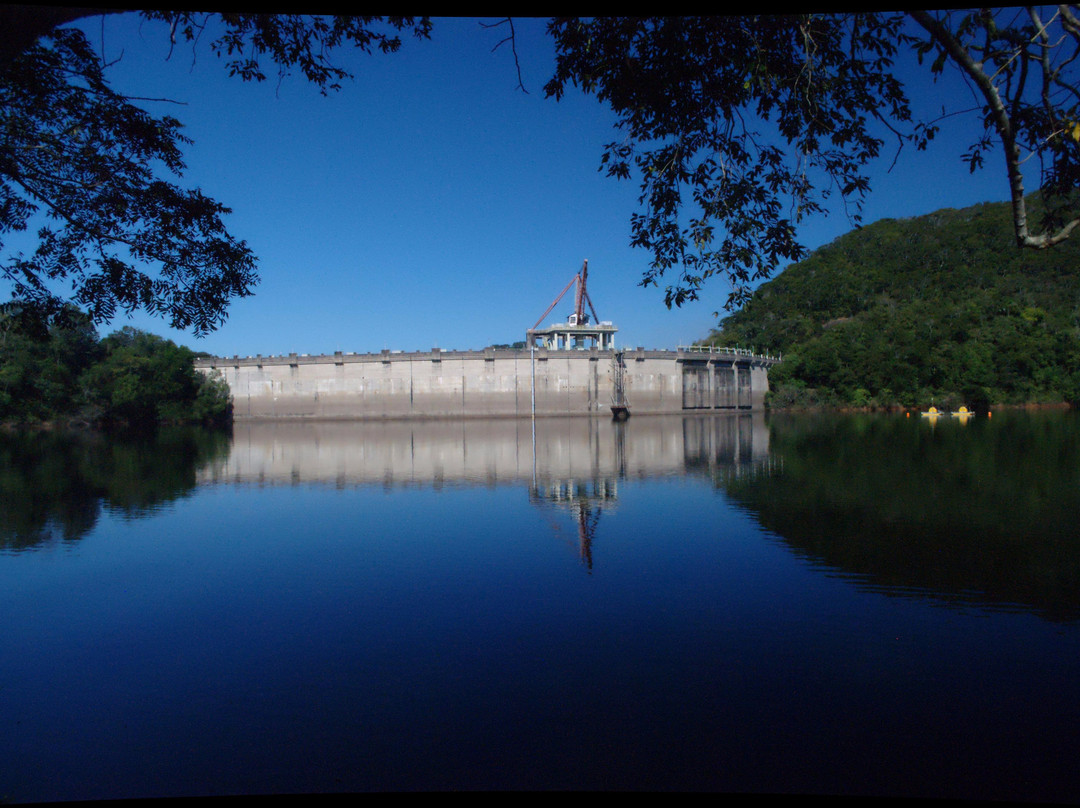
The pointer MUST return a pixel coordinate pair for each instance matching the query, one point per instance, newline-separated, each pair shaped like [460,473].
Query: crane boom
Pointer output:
[580,298]
[579,311]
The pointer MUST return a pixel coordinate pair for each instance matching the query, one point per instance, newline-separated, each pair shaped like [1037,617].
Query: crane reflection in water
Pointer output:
[585,500]
[720,448]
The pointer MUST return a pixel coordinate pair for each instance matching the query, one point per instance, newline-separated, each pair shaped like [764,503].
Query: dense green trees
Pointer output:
[920,310]
[128,378]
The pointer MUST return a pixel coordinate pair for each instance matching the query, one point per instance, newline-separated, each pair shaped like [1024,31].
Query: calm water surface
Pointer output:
[835,605]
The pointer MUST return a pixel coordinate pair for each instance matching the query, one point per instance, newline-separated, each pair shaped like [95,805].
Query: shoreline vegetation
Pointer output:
[896,409]
[70,378]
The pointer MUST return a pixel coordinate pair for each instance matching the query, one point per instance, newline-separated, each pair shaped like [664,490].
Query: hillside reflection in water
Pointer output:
[979,512]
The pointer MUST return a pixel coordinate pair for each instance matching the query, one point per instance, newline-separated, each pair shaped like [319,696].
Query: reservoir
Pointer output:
[741,602]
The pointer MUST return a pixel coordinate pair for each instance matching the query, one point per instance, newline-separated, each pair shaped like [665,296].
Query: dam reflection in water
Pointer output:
[494,452]
[572,465]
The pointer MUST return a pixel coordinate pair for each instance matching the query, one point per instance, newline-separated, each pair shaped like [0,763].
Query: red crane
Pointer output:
[582,297]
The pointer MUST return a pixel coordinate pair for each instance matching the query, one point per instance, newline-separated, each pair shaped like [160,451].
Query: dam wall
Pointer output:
[491,382]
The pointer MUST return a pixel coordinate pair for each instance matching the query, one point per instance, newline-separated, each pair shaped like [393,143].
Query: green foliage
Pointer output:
[719,196]
[213,400]
[736,128]
[84,156]
[293,40]
[38,370]
[903,312]
[128,378]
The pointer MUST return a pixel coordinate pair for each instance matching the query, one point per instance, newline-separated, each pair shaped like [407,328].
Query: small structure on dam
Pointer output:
[571,368]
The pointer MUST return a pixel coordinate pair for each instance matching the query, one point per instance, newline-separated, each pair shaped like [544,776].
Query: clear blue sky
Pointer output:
[431,203]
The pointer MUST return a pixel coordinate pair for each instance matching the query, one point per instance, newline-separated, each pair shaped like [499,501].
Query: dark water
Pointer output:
[811,605]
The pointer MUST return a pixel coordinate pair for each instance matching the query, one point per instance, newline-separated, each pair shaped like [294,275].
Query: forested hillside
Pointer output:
[940,308]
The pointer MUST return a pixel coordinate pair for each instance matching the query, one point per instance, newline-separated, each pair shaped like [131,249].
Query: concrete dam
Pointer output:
[491,382]
[568,368]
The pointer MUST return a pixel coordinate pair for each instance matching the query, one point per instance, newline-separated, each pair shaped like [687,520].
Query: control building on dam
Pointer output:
[570,368]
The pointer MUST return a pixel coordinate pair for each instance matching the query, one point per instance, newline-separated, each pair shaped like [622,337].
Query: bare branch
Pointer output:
[511,38]
[1002,123]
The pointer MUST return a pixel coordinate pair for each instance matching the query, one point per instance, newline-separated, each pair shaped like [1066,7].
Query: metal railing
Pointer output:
[711,349]
[279,358]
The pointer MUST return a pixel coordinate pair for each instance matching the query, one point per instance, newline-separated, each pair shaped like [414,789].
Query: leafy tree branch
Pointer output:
[720,193]
[737,128]
[96,173]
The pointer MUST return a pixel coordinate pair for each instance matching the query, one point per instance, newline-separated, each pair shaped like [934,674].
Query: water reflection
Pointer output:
[974,512]
[490,452]
[571,466]
[977,513]
[584,500]
[53,485]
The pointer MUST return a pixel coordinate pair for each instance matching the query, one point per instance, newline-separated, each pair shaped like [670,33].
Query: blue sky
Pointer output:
[430,202]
